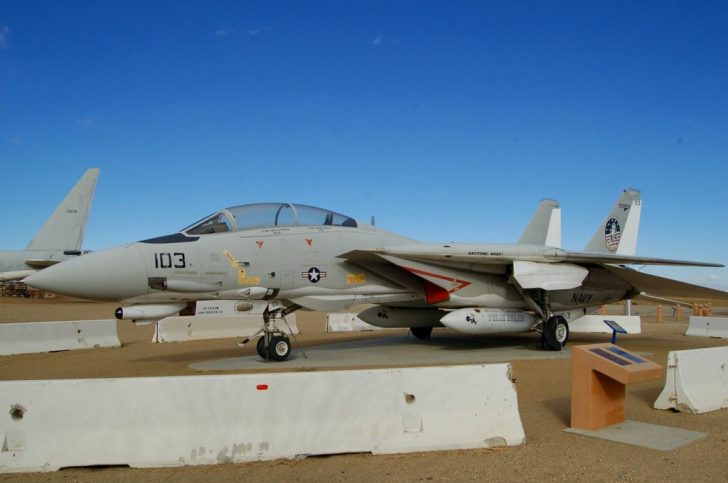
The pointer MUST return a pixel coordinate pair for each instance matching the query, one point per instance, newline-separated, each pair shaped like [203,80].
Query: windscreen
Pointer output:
[217,223]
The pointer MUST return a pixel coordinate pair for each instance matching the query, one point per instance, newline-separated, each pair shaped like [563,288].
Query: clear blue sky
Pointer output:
[446,120]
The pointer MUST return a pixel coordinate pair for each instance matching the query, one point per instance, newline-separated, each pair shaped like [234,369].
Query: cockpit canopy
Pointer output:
[267,215]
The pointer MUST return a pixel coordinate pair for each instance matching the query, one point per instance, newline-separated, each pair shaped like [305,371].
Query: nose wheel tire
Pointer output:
[422,333]
[279,348]
[555,333]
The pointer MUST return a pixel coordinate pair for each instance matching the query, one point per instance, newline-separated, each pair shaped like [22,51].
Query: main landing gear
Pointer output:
[273,344]
[553,328]
[554,333]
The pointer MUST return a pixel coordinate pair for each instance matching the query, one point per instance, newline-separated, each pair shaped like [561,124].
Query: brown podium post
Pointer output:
[599,374]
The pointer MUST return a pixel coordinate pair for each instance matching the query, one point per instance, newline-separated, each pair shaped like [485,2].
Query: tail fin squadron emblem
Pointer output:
[612,234]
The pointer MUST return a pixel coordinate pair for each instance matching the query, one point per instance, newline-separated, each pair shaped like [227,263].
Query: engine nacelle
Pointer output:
[479,320]
[148,312]
[391,317]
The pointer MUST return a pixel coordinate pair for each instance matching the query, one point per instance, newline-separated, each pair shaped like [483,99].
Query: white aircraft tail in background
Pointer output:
[64,229]
[59,238]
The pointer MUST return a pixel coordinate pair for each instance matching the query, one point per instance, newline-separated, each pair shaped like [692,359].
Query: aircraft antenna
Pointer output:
[373,221]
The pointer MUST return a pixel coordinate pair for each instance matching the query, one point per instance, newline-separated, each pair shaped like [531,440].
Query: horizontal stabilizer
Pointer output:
[660,287]
[663,300]
[15,275]
[41,262]
[597,258]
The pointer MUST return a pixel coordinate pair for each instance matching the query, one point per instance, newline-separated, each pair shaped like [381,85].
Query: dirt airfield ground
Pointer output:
[543,397]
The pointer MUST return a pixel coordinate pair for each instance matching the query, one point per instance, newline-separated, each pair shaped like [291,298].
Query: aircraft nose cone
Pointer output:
[114,274]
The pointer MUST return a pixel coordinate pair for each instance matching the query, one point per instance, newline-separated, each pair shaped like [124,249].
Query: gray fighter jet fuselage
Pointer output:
[305,257]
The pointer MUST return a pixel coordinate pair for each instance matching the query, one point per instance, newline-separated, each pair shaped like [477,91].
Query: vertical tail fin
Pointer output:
[545,226]
[618,232]
[64,229]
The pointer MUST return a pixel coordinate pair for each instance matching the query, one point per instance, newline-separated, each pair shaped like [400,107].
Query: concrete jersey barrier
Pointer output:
[708,327]
[595,324]
[33,337]
[177,421]
[696,381]
[180,329]
[347,322]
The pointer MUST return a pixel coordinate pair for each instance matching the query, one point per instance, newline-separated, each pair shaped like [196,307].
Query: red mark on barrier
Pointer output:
[262,387]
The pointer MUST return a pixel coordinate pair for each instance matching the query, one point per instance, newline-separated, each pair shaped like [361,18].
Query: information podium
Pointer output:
[599,374]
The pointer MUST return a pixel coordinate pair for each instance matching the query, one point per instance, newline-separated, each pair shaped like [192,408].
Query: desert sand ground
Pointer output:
[543,398]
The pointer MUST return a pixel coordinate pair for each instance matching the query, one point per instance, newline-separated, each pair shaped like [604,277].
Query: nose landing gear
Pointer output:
[273,344]
[278,348]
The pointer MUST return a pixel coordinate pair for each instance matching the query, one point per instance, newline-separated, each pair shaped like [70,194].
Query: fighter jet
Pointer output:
[60,237]
[297,256]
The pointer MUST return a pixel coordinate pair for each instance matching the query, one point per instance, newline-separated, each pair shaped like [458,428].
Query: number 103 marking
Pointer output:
[169,260]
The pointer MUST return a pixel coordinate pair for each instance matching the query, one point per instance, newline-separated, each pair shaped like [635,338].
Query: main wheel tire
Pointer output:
[555,333]
[260,347]
[422,333]
[279,348]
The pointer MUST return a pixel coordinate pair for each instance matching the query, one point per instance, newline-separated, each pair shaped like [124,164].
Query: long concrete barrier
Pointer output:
[177,421]
[347,322]
[595,324]
[33,337]
[194,327]
[696,381]
[708,327]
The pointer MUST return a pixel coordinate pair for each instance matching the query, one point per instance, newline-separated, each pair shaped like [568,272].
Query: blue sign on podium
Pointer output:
[616,328]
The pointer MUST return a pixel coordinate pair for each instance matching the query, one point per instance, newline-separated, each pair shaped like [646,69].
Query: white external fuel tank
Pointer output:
[479,320]
[148,312]
[391,317]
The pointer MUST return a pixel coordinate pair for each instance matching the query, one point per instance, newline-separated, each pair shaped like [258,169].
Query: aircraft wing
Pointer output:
[504,254]
[447,266]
